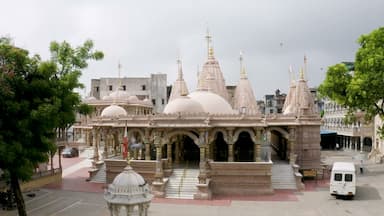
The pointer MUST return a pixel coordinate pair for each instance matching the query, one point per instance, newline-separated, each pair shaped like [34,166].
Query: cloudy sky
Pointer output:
[147,36]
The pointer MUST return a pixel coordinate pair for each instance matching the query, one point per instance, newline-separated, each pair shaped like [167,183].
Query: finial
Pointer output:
[291,75]
[118,74]
[211,52]
[305,66]
[243,74]
[208,37]
[180,69]
[301,73]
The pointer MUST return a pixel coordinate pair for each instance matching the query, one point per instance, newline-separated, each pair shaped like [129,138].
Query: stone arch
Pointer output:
[132,130]
[248,130]
[191,135]
[278,139]
[214,133]
[281,131]
[243,148]
[218,147]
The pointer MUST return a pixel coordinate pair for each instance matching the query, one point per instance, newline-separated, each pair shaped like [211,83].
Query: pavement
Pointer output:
[75,196]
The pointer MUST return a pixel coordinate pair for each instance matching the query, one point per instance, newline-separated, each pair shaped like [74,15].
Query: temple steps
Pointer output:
[101,175]
[182,184]
[283,177]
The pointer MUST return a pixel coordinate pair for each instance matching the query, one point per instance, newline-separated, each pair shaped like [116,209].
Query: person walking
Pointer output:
[361,166]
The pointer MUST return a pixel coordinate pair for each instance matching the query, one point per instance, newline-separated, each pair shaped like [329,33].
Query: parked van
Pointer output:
[343,179]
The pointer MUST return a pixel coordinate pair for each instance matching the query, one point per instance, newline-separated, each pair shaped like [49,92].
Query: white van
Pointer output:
[343,179]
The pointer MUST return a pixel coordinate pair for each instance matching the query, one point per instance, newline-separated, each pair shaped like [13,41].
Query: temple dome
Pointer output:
[211,102]
[113,111]
[128,178]
[128,188]
[183,104]
[119,94]
[133,98]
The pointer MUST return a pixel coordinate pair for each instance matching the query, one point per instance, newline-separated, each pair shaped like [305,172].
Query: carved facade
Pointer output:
[231,146]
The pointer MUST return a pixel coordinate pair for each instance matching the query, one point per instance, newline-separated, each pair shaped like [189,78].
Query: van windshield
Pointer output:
[338,177]
[348,177]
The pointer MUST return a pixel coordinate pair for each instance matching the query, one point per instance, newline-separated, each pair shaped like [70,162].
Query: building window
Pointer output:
[110,88]
[154,102]
[271,111]
[97,88]
[143,87]
[124,88]
[162,101]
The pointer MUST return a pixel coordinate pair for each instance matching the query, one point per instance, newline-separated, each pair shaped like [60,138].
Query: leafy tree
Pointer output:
[36,100]
[361,89]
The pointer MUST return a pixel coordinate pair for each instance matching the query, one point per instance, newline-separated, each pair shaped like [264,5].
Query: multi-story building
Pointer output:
[274,103]
[357,135]
[153,88]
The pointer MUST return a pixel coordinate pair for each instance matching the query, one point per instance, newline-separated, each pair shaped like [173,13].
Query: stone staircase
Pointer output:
[182,184]
[101,175]
[283,177]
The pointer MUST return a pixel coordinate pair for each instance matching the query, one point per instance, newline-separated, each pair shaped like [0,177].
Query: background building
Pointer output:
[357,135]
[153,88]
[274,103]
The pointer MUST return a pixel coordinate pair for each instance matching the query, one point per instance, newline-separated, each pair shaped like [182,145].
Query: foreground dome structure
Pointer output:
[216,136]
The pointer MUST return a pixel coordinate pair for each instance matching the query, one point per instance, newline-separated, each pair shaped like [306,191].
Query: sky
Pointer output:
[148,36]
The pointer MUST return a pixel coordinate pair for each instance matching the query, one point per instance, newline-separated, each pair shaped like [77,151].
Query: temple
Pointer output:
[200,145]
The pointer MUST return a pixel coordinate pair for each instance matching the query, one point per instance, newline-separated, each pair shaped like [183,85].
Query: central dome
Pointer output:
[113,111]
[183,104]
[211,102]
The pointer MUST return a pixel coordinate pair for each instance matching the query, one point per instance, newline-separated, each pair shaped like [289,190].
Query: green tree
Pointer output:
[37,99]
[361,89]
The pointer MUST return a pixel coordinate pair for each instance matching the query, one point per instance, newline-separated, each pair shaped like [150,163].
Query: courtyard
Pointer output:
[75,196]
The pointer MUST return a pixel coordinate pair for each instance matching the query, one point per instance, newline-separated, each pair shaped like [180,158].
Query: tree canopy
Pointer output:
[361,89]
[37,98]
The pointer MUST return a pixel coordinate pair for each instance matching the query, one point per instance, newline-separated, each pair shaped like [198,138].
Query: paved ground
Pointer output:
[65,199]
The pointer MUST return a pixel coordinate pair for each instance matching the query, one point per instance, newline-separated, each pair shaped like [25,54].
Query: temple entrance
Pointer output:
[185,152]
[279,145]
[220,148]
[243,148]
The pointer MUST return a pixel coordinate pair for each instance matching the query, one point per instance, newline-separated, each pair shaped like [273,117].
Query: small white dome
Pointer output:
[90,98]
[133,98]
[119,94]
[113,111]
[147,101]
[107,97]
[183,104]
[128,178]
[211,102]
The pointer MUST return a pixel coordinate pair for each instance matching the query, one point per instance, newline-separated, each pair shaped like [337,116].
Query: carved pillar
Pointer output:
[258,139]
[87,141]
[230,145]
[291,145]
[96,140]
[147,150]
[159,166]
[169,152]
[202,164]
[202,174]
[105,136]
